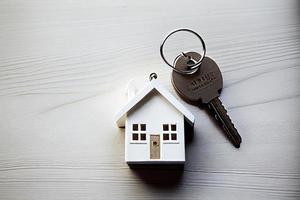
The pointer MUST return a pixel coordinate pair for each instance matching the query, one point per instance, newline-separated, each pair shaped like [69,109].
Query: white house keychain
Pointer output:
[155,123]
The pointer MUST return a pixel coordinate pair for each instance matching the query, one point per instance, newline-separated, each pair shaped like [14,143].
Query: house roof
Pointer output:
[153,85]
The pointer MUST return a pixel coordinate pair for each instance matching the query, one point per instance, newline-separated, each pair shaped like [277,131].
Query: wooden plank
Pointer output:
[64,67]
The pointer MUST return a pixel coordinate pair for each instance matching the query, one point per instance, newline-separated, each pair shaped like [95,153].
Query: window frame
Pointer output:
[170,132]
[139,132]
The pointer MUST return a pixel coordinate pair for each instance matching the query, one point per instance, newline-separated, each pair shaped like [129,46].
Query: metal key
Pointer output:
[204,85]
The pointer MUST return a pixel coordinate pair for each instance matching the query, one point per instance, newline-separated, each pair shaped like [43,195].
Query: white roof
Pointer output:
[121,115]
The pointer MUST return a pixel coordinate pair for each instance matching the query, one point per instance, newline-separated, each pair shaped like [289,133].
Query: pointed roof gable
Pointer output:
[121,115]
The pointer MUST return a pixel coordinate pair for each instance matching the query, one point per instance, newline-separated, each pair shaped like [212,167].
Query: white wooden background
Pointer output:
[64,66]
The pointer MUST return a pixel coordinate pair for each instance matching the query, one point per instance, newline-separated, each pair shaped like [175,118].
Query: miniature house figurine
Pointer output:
[155,123]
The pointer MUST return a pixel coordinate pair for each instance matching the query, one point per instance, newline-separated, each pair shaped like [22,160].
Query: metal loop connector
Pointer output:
[192,67]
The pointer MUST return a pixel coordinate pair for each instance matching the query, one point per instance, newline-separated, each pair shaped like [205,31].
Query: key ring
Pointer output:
[193,67]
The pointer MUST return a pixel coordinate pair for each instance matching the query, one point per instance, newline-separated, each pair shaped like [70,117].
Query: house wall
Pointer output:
[154,111]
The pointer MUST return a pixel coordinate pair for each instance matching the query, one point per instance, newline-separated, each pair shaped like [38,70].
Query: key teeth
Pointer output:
[222,111]
[221,104]
[223,107]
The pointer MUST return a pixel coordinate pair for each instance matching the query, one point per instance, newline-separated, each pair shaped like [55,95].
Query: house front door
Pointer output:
[154,146]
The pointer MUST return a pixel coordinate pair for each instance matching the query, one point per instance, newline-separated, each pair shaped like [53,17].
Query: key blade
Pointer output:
[220,113]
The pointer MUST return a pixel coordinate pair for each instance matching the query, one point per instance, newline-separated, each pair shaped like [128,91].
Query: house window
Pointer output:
[169,132]
[135,127]
[166,136]
[135,136]
[138,132]
[143,127]
[166,127]
[173,136]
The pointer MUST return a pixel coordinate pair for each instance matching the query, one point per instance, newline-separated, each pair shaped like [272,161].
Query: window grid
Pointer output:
[138,132]
[170,132]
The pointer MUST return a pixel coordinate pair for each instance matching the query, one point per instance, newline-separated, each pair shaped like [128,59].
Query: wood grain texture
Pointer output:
[64,66]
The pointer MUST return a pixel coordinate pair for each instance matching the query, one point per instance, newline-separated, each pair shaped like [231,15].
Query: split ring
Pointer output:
[192,67]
